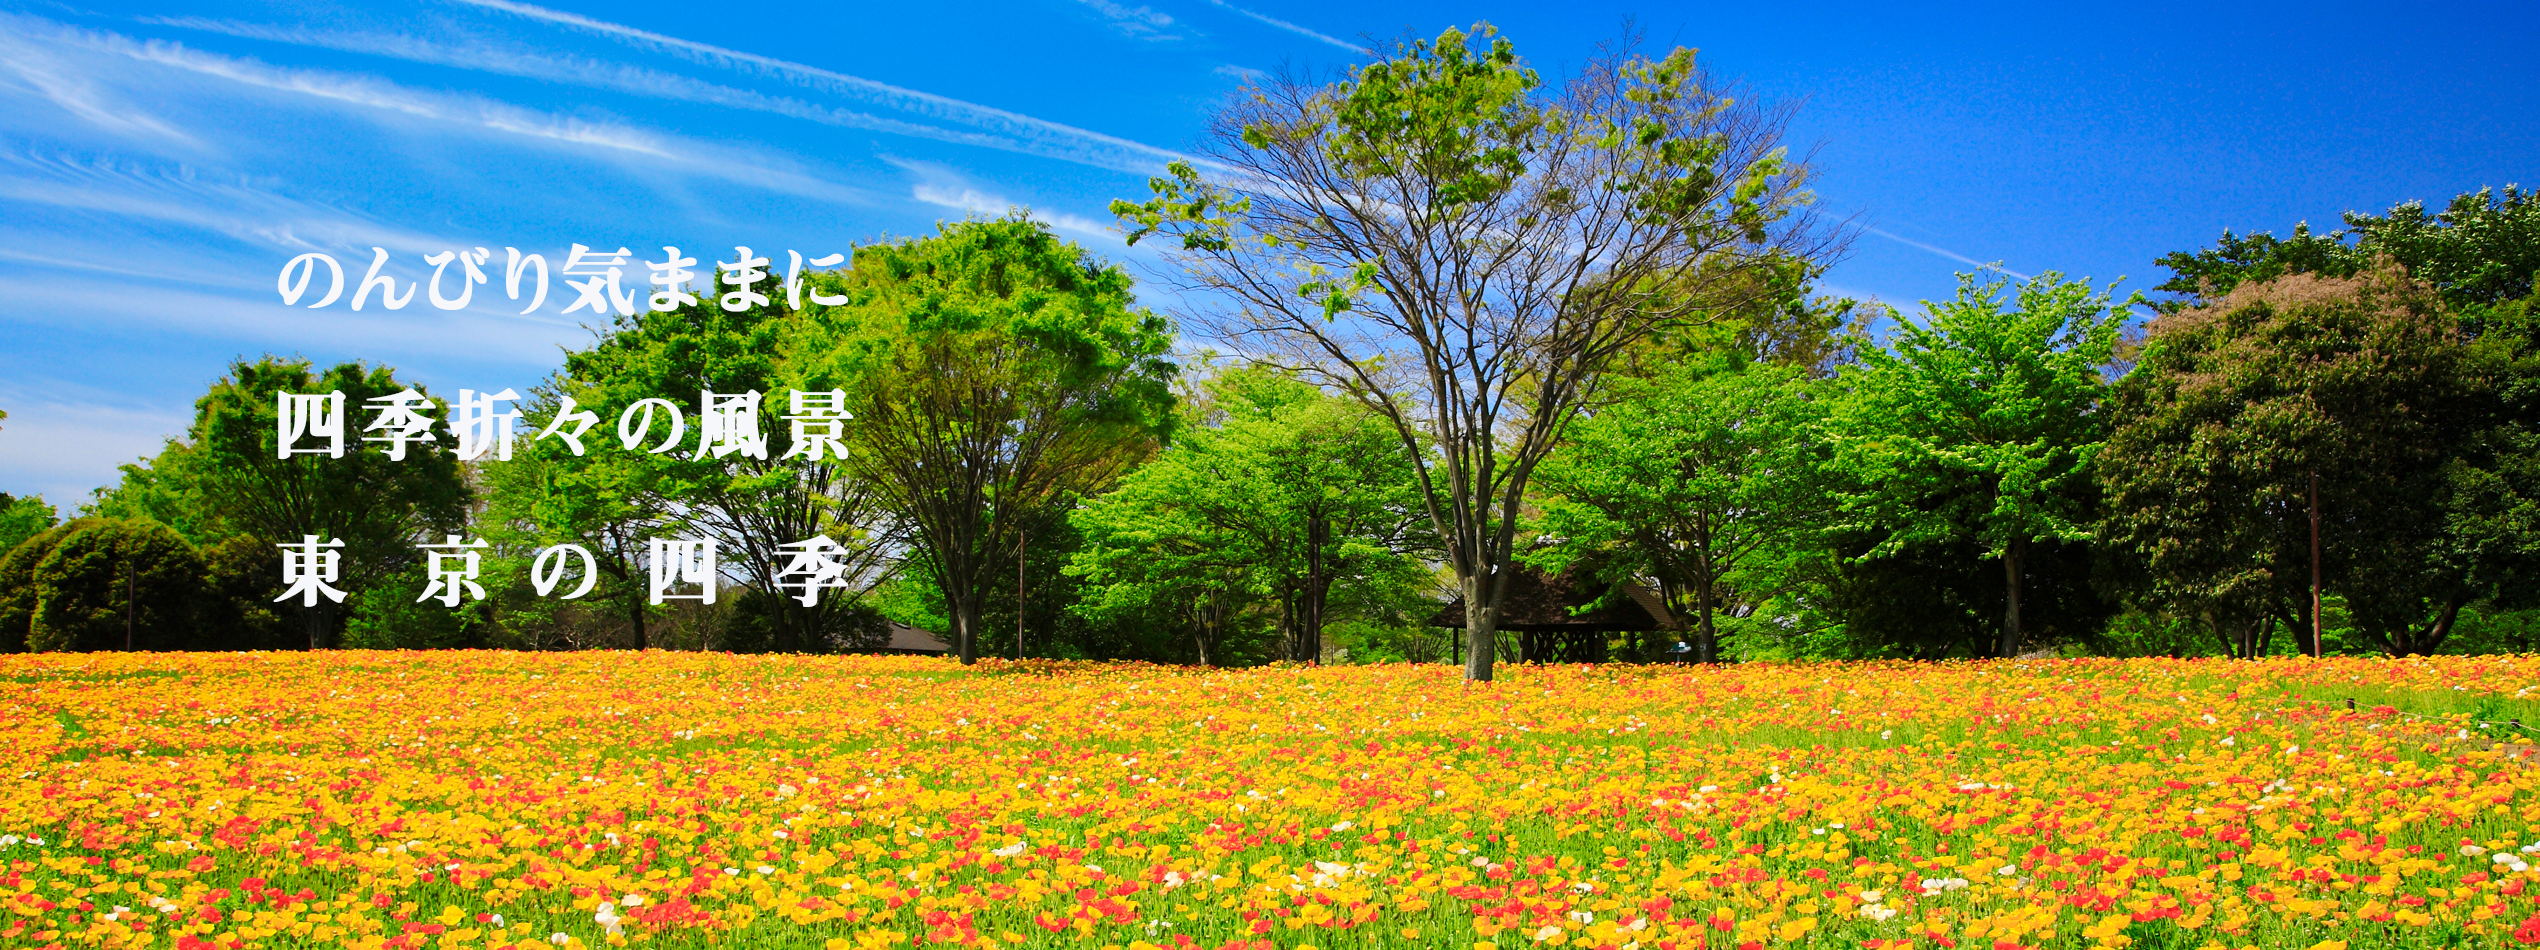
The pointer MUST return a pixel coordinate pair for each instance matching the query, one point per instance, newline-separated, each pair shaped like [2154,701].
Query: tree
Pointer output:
[997,375]
[17,586]
[615,498]
[1976,425]
[2483,248]
[23,518]
[224,479]
[115,585]
[2352,400]
[1271,488]
[1465,252]
[1684,478]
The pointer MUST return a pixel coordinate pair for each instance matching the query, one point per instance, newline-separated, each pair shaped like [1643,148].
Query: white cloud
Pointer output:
[944,187]
[190,198]
[46,76]
[980,202]
[1137,22]
[651,150]
[1239,73]
[581,71]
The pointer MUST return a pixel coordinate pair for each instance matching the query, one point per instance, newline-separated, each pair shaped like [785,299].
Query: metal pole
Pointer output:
[2318,627]
[1022,542]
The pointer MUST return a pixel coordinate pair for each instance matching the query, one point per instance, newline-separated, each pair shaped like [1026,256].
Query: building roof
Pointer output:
[908,639]
[1538,602]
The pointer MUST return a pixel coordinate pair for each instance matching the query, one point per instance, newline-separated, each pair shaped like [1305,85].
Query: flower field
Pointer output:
[681,800]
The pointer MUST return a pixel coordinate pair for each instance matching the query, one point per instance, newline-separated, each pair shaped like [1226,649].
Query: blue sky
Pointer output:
[159,161]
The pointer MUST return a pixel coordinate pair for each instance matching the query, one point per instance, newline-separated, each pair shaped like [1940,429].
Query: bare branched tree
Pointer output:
[1465,251]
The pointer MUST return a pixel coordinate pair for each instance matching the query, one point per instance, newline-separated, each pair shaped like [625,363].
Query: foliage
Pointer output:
[2235,408]
[996,375]
[1689,478]
[1273,491]
[18,598]
[224,480]
[105,580]
[2482,248]
[1978,426]
[23,518]
[616,497]
[1466,251]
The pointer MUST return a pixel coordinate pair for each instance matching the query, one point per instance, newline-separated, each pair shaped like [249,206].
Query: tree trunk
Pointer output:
[635,615]
[2305,637]
[2440,630]
[2012,556]
[1204,629]
[1481,628]
[1706,639]
[314,617]
[1309,620]
[965,631]
[627,575]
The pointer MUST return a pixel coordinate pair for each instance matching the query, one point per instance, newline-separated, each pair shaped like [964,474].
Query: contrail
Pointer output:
[1126,155]
[1293,28]
[1950,254]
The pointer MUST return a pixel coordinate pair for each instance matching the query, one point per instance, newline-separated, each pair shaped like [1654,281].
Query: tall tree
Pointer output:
[1466,251]
[225,480]
[997,374]
[608,500]
[2354,398]
[1977,423]
[1271,488]
[1684,478]
[751,504]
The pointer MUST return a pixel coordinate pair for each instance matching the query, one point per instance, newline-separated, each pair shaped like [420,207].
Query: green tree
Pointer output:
[23,518]
[224,479]
[2483,248]
[1272,489]
[997,374]
[1690,478]
[1466,252]
[615,498]
[116,585]
[17,586]
[2351,400]
[2479,255]
[1977,425]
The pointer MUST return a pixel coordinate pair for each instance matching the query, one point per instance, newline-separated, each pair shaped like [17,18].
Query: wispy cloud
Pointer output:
[1238,73]
[1139,22]
[1945,252]
[659,151]
[47,76]
[579,71]
[1293,28]
[944,187]
[1039,136]
[979,202]
[366,91]
[194,199]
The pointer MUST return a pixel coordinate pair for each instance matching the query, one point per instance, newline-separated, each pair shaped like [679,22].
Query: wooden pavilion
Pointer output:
[1545,614]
